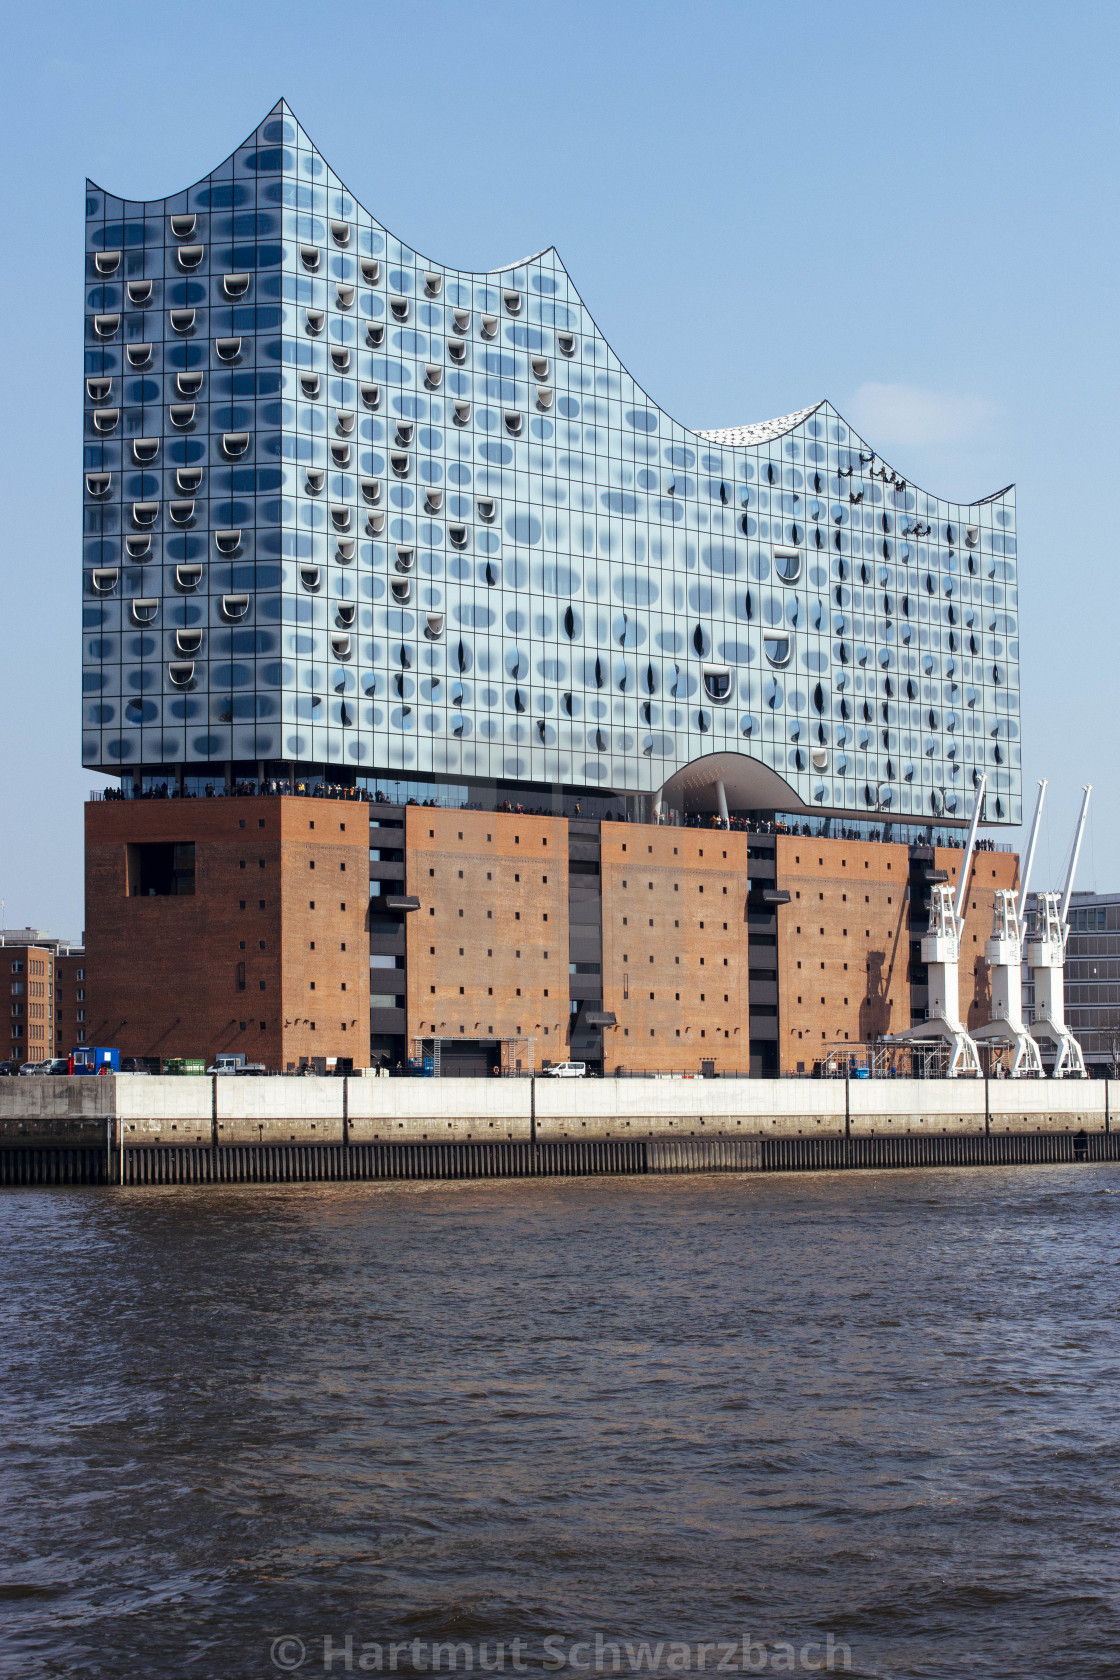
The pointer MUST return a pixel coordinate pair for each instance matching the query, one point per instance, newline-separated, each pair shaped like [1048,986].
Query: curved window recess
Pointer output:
[401,590]
[228,349]
[462,412]
[375,523]
[310,257]
[188,641]
[340,644]
[183,226]
[399,308]
[375,333]
[227,542]
[434,623]
[777,648]
[188,384]
[340,233]
[489,325]
[182,415]
[487,508]
[405,559]
[346,611]
[819,758]
[182,512]
[490,575]
[512,301]
[309,577]
[145,513]
[433,284]
[309,384]
[145,449]
[139,291]
[106,262]
[190,255]
[98,389]
[513,422]
[399,461]
[181,672]
[344,295]
[567,343]
[188,577]
[433,500]
[313,320]
[104,579]
[137,546]
[371,490]
[570,623]
[316,478]
[234,444]
[544,398]
[540,366]
[234,607]
[433,376]
[144,610]
[371,270]
[340,358]
[344,421]
[340,453]
[105,419]
[971,535]
[182,320]
[787,564]
[457,350]
[235,285]
[717,682]
[461,318]
[340,517]
[346,547]
[457,536]
[371,396]
[106,325]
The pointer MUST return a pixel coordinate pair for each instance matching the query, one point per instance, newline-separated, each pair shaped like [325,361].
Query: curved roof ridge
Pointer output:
[761,431]
[532,257]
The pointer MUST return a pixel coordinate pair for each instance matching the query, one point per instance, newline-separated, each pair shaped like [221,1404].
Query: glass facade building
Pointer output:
[349,511]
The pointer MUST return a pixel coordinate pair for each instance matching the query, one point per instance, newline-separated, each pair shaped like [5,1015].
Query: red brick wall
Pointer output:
[27,1028]
[675,948]
[488,947]
[168,968]
[73,1002]
[843,945]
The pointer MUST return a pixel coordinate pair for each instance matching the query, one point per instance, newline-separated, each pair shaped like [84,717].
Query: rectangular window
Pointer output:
[161,869]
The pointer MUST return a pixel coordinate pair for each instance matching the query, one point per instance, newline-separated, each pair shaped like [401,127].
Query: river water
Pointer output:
[756,1424]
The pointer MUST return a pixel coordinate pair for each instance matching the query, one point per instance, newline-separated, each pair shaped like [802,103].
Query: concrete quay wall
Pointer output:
[202,1112]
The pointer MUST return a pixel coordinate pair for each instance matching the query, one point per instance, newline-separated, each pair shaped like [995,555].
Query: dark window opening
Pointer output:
[161,869]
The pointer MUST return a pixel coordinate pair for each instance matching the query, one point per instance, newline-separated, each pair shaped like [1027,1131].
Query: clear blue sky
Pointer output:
[908,208]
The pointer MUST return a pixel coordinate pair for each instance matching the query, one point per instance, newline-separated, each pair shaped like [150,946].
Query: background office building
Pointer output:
[355,517]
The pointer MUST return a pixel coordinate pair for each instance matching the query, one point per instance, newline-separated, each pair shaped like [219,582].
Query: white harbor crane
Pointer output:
[941,952]
[1046,959]
[1004,955]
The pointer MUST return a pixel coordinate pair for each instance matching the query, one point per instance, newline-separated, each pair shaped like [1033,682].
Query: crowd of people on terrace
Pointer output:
[271,786]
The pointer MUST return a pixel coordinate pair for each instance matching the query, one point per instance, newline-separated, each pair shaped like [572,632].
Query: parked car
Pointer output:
[57,1064]
[234,1062]
[565,1070]
[32,1067]
[8,1069]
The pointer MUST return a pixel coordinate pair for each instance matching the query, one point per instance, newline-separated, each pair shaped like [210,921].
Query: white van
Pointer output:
[566,1070]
